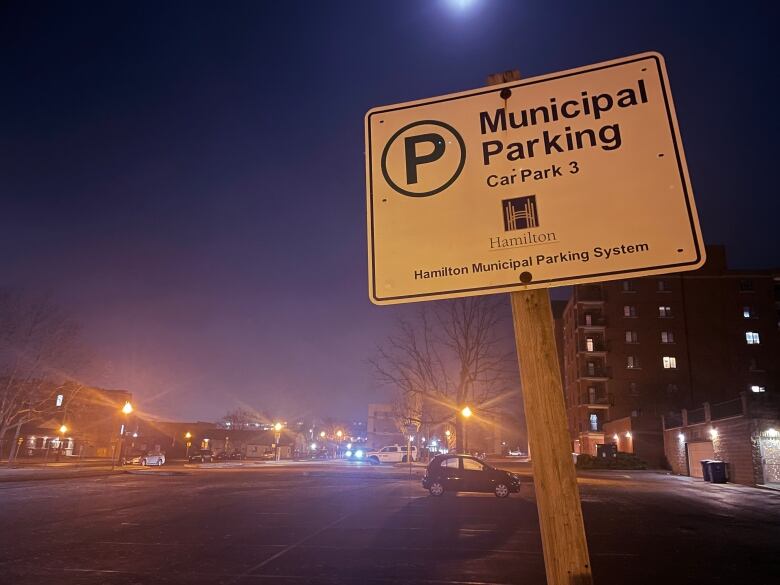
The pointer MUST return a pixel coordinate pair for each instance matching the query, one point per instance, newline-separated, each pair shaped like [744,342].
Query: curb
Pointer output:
[72,475]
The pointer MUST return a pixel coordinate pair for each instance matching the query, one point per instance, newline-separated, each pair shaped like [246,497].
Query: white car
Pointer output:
[147,459]
[390,454]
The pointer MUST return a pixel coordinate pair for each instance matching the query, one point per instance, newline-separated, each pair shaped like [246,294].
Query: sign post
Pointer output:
[561,524]
[567,178]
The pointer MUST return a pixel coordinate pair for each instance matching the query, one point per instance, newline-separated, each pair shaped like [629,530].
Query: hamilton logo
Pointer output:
[520,213]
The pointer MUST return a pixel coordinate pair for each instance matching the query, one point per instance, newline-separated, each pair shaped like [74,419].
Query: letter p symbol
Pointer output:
[413,160]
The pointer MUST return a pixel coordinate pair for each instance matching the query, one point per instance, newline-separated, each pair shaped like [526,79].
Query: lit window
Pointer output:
[747,312]
[667,337]
[59,399]
[756,388]
[664,311]
[589,344]
[752,337]
[629,311]
[594,422]
[632,337]
[632,361]
[670,363]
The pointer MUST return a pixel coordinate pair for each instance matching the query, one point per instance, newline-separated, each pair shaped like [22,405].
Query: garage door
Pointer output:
[697,452]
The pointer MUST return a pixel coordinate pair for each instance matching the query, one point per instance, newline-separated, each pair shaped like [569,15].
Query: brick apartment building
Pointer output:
[636,349]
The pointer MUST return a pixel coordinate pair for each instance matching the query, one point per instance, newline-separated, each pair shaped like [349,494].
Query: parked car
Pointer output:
[202,456]
[222,456]
[268,456]
[464,473]
[237,455]
[391,454]
[146,458]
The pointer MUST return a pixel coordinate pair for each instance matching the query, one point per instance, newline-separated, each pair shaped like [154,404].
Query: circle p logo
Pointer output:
[423,158]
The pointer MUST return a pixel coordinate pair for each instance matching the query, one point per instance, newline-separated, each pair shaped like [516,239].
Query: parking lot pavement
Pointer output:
[352,524]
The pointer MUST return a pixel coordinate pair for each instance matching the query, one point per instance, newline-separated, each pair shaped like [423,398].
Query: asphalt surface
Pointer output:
[337,523]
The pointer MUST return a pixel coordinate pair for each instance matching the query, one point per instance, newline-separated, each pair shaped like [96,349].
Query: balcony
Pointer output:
[595,321]
[595,401]
[588,293]
[596,347]
[599,373]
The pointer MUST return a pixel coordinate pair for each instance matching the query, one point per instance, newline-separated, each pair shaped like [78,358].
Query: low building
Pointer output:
[744,433]
[93,418]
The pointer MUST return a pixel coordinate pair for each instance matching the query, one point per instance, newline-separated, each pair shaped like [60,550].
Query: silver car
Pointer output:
[147,459]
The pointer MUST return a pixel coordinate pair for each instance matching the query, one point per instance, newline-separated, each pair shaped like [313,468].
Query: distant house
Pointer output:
[93,418]
[254,444]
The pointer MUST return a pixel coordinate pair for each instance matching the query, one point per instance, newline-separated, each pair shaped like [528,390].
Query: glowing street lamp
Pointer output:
[339,434]
[322,434]
[188,436]
[278,430]
[466,414]
[127,408]
[63,429]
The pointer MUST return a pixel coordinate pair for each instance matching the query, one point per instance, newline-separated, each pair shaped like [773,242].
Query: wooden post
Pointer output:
[565,548]
[555,481]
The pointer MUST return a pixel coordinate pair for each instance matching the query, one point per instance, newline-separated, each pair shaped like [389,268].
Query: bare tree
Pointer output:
[240,418]
[452,354]
[39,353]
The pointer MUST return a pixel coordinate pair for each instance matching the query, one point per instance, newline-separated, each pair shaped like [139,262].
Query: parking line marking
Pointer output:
[293,546]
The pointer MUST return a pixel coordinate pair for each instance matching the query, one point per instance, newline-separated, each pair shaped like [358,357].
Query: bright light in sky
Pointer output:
[460,4]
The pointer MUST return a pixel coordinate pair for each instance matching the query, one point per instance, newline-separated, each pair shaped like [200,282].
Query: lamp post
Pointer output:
[466,413]
[188,436]
[278,436]
[63,429]
[126,410]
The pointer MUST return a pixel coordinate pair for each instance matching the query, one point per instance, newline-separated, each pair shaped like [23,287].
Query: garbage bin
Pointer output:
[717,471]
[706,470]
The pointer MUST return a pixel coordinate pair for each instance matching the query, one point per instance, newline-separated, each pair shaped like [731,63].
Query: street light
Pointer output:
[188,436]
[278,430]
[466,413]
[126,410]
[63,429]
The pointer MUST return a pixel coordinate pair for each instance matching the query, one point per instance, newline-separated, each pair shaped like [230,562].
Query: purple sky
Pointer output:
[188,178]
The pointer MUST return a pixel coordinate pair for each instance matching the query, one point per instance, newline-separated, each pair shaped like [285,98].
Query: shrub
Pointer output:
[621,461]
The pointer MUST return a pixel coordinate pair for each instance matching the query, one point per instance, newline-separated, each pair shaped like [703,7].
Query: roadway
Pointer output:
[336,523]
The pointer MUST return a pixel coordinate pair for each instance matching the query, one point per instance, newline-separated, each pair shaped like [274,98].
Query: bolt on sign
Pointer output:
[573,177]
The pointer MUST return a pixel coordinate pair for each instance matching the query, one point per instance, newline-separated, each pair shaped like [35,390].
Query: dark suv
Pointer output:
[464,473]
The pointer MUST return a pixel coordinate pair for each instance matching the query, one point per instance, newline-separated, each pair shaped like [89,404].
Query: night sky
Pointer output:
[188,177]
